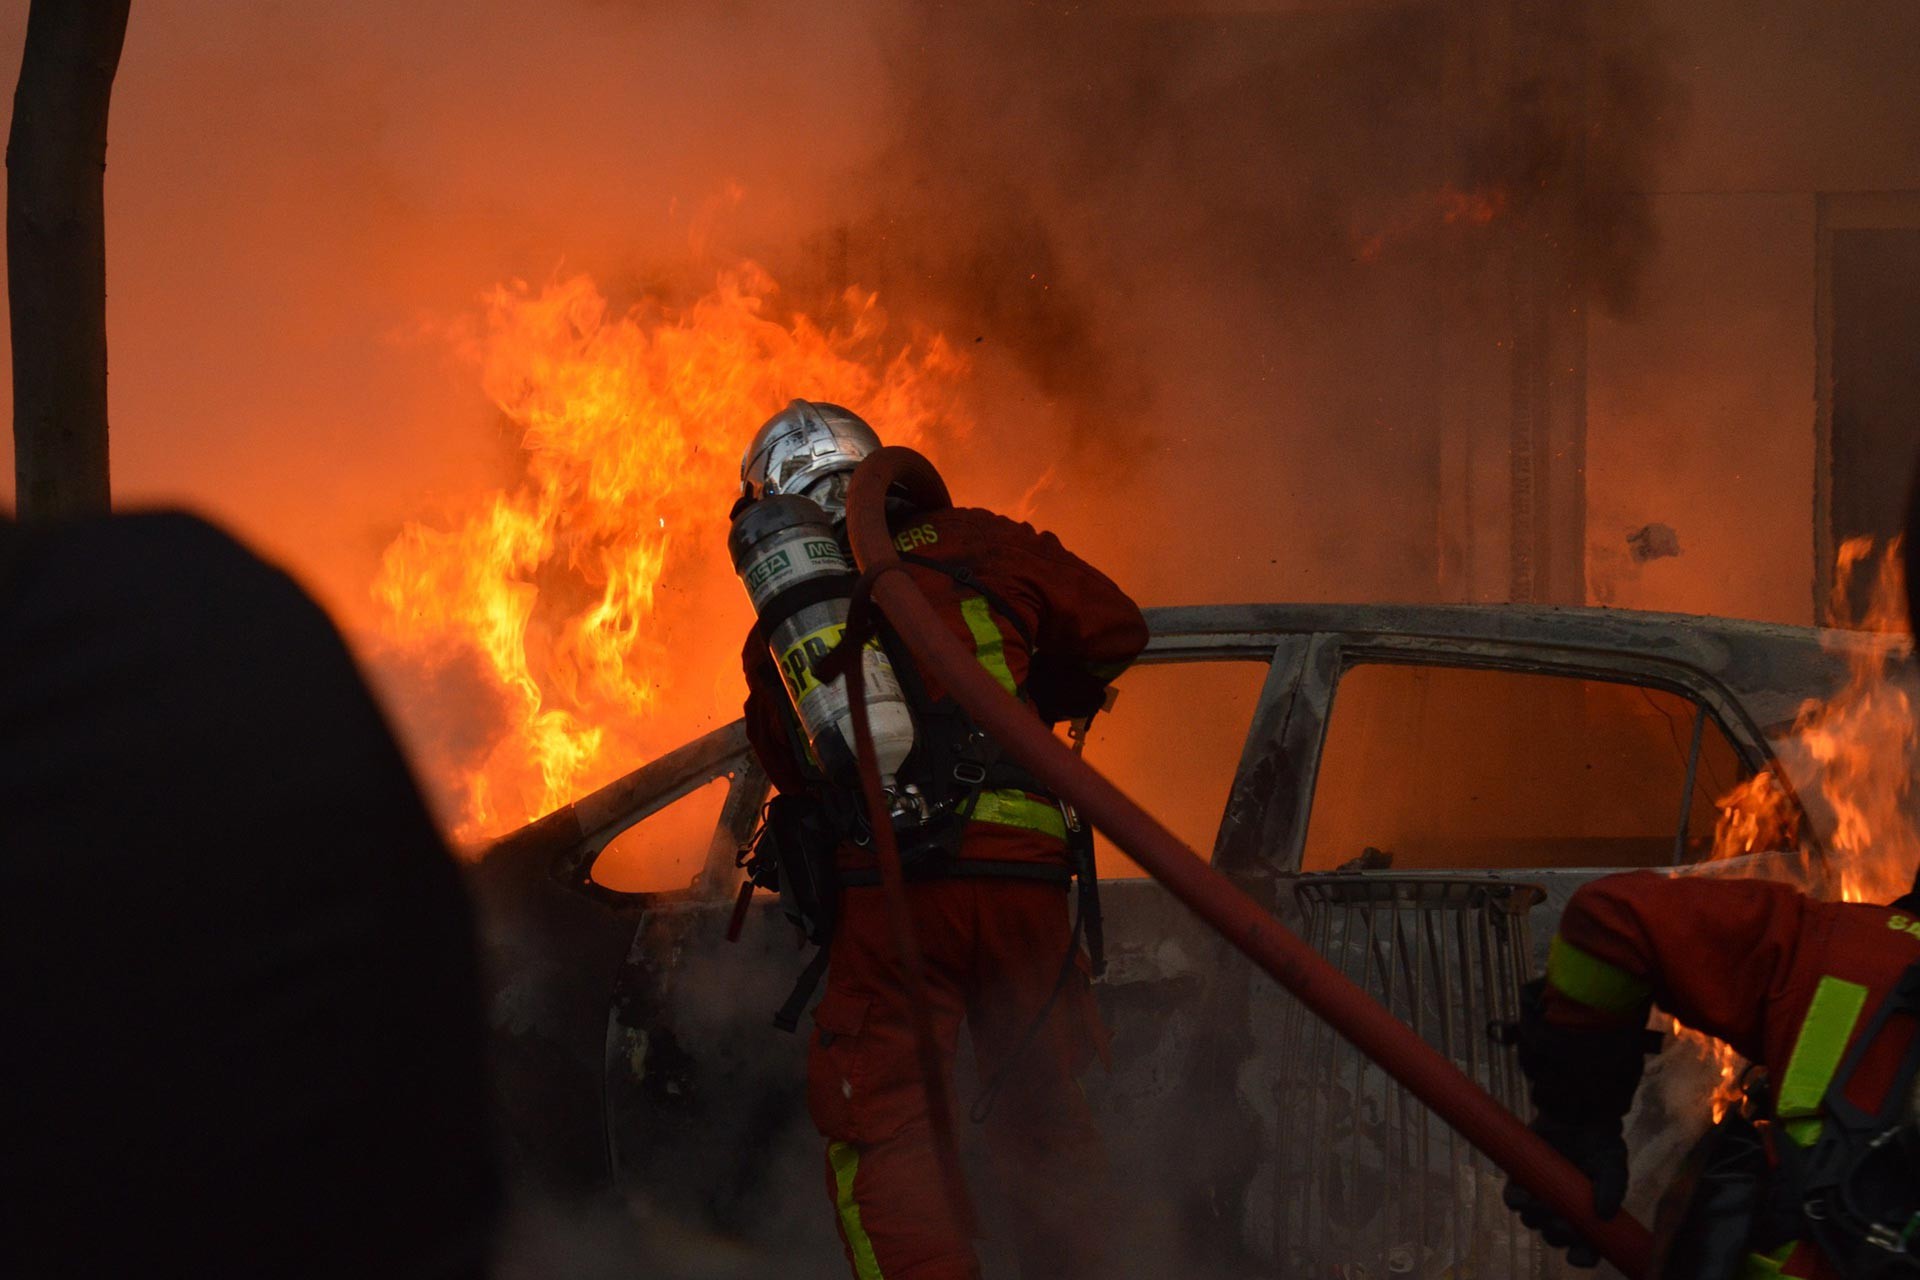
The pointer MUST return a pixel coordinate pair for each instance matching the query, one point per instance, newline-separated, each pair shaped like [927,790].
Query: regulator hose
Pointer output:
[1336,999]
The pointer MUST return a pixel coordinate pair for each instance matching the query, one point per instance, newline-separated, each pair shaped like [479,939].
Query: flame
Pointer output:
[1024,509]
[630,426]
[1861,742]
[1757,816]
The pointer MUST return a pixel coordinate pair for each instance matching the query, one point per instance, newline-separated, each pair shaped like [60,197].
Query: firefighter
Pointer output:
[1818,1174]
[1792,984]
[986,892]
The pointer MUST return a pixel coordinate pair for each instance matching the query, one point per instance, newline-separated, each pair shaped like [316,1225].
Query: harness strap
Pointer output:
[1080,843]
[826,586]
[1821,1172]
[1903,1000]
[964,575]
[1899,1002]
[787,1017]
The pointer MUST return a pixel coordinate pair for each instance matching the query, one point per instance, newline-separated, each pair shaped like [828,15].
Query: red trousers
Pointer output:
[993,951]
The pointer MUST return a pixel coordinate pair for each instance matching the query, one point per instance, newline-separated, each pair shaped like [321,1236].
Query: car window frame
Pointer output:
[1263,831]
[1333,654]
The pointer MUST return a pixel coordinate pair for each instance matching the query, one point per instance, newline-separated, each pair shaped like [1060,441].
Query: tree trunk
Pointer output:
[57,255]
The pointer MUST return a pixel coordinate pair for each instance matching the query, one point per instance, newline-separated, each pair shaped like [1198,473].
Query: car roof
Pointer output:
[1770,668]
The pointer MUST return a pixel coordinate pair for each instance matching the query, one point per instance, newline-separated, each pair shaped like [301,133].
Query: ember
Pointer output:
[1431,212]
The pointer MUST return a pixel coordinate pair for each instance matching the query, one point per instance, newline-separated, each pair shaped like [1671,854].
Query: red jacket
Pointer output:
[1788,982]
[1085,631]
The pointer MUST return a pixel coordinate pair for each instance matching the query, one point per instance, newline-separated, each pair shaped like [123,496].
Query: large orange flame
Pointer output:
[1863,739]
[630,428]
[1861,743]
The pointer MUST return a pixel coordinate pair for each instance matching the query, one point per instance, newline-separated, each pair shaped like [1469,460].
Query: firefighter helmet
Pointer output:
[807,450]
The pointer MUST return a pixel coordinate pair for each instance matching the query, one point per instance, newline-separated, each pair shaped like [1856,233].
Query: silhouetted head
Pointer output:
[244,1024]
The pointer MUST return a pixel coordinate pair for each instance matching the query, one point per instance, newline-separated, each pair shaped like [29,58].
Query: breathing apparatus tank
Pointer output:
[801,584]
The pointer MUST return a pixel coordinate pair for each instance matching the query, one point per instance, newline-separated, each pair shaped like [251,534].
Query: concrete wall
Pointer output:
[1703,407]
[1700,416]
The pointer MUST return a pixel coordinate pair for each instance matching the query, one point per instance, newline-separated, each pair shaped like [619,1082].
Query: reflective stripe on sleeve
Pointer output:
[1011,807]
[989,646]
[1817,1051]
[844,1158]
[1592,981]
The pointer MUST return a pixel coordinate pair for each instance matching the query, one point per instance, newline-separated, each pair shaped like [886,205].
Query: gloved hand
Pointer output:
[1578,1074]
[1582,1081]
[1597,1149]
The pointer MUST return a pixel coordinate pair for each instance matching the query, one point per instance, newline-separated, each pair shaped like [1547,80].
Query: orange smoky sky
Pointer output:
[301,199]
[1194,258]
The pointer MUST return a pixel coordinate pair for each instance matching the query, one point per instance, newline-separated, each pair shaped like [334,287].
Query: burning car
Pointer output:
[1416,789]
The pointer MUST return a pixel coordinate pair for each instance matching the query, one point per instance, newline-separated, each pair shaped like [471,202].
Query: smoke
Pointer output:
[1202,255]
[544,1239]
[1217,251]
[1207,259]
[1576,135]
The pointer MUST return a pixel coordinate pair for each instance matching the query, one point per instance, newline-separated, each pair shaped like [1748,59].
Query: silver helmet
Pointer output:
[808,450]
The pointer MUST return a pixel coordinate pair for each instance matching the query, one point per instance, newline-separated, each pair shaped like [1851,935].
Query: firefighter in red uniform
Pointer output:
[1795,986]
[1822,1179]
[990,915]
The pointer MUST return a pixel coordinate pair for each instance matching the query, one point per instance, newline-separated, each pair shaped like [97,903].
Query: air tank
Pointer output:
[801,583]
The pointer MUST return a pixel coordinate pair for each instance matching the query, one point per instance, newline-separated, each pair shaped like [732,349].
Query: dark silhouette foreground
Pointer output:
[240,1029]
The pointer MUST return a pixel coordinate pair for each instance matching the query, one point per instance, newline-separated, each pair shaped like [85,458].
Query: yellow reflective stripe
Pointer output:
[989,647]
[844,1157]
[1012,807]
[1765,1266]
[1007,807]
[1818,1047]
[1591,980]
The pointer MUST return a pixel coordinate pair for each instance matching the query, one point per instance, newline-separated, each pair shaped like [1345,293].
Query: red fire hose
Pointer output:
[1368,1026]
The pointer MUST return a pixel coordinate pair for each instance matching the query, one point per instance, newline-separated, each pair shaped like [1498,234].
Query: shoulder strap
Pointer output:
[1846,1128]
[1868,1237]
[963,574]
[1904,998]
